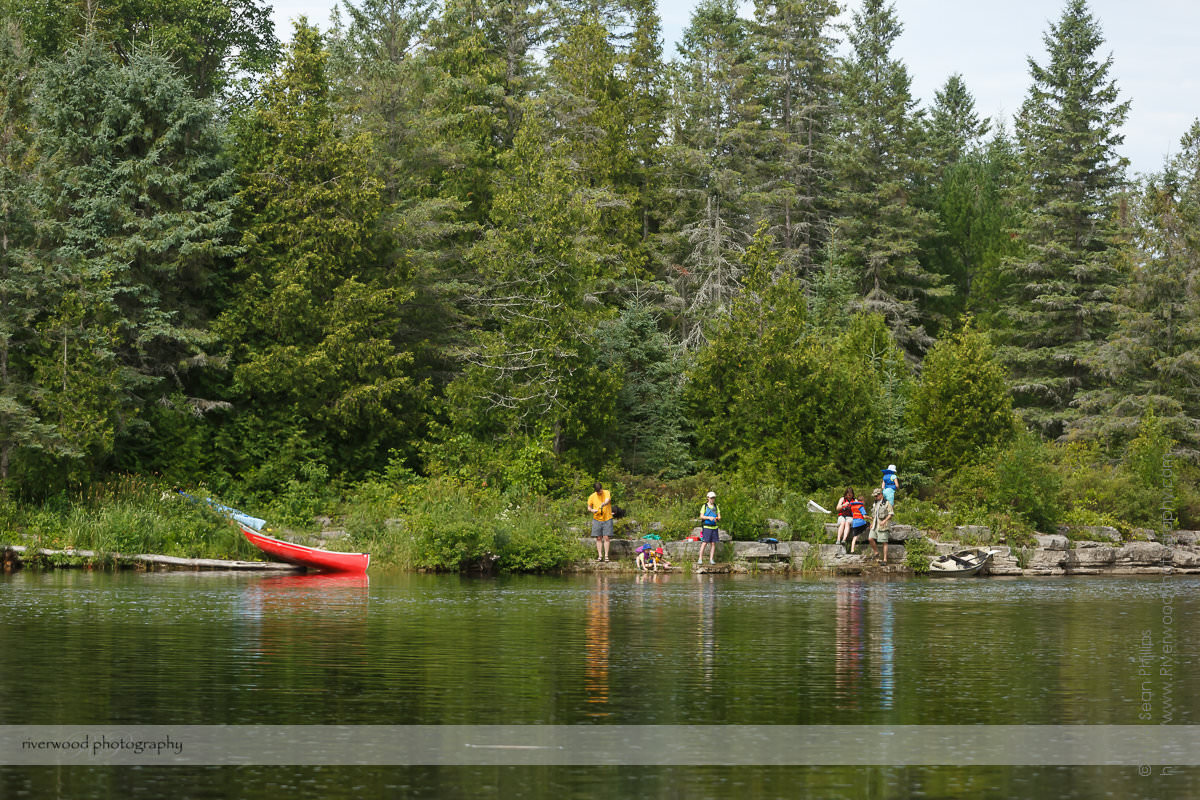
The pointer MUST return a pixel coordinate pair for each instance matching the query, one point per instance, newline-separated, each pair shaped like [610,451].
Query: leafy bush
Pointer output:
[917,553]
[1018,479]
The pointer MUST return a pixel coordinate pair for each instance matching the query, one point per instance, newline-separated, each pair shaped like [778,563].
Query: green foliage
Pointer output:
[311,334]
[133,188]
[649,424]
[917,553]
[794,404]
[211,42]
[1138,490]
[1017,479]
[878,163]
[444,525]
[1148,362]
[131,516]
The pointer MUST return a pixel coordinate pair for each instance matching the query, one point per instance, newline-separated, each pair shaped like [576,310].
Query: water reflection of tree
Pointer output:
[596,649]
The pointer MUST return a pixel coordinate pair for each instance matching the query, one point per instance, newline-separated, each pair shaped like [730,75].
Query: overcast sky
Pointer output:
[1156,61]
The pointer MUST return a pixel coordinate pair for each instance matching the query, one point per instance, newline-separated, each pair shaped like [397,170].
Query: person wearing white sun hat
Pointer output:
[890,483]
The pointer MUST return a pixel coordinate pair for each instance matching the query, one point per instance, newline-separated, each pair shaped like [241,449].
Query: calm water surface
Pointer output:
[99,648]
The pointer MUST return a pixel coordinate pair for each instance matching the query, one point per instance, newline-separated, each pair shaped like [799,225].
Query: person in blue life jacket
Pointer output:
[710,515]
[858,520]
[890,483]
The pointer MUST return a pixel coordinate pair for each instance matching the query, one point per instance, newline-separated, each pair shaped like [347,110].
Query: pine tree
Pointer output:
[1064,280]
[531,370]
[973,199]
[879,171]
[645,76]
[1151,362]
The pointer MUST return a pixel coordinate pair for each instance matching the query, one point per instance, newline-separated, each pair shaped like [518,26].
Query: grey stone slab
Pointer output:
[1052,541]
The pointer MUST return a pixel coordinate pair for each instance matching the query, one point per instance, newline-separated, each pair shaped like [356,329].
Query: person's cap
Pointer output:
[891,468]
[712,494]
[878,492]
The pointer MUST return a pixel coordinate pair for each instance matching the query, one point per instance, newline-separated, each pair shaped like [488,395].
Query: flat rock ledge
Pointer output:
[16,556]
[1053,555]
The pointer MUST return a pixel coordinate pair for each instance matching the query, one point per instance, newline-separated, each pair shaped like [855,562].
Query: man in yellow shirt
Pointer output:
[600,504]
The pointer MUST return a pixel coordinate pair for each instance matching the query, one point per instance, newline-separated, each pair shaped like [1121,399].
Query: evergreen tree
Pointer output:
[647,108]
[974,201]
[210,42]
[954,127]
[312,334]
[1063,281]
[790,182]
[785,399]
[707,163]
[135,199]
[962,408]
[1151,362]
[388,88]
[531,370]
[879,170]
[21,289]
[649,425]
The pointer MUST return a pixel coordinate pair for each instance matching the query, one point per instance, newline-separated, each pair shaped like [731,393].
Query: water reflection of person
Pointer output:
[884,645]
[596,649]
[707,627]
[848,644]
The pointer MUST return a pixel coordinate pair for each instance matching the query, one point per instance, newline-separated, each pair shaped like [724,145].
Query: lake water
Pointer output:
[175,649]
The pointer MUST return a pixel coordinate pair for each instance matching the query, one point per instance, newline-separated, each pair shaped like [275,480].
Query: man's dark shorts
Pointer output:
[710,535]
[602,529]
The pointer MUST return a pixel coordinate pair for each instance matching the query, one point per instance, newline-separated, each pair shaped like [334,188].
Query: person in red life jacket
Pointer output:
[858,520]
[845,515]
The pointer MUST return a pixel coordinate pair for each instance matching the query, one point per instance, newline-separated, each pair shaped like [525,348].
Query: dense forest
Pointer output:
[513,245]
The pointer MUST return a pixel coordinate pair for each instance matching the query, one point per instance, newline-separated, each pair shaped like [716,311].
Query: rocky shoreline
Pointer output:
[1052,555]
[1063,553]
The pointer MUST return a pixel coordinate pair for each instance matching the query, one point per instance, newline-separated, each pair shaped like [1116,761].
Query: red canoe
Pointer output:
[311,557]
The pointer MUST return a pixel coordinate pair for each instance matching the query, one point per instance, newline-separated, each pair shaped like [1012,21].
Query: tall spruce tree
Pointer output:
[970,192]
[21,288]
[708,161]
[134,195]
[1151,362]
[954,127]
[790,182]
[879,168]
[1062,284]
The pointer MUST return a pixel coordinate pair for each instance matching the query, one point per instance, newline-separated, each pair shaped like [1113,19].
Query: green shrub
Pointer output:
[917,553]
[1017,479]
